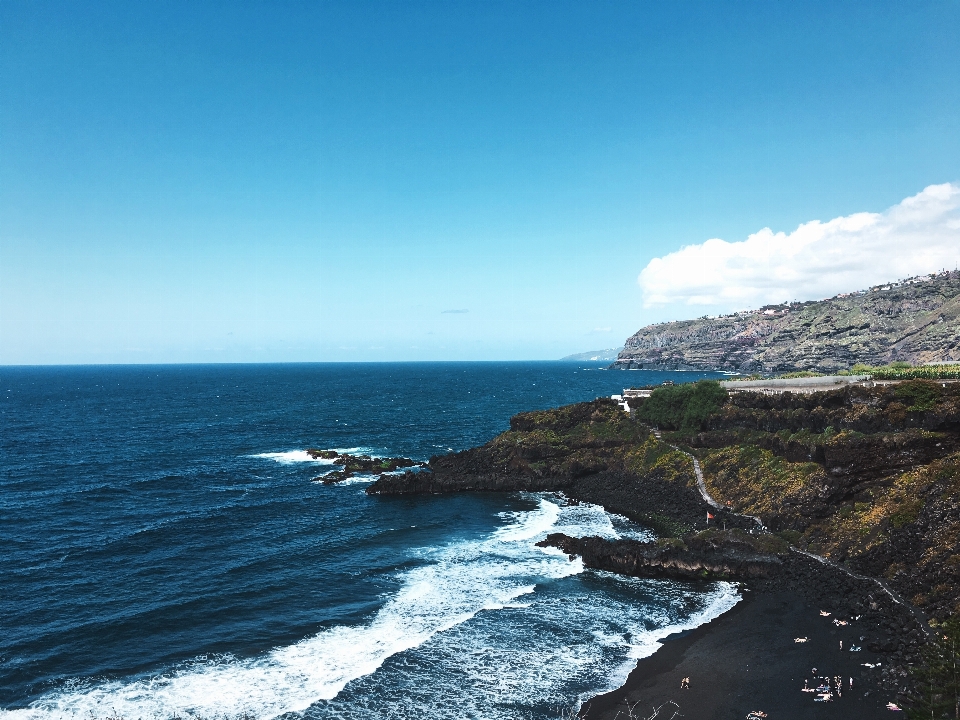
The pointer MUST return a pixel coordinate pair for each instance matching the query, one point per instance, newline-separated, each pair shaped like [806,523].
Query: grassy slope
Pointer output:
[869,477]
[879,488]
[578,440]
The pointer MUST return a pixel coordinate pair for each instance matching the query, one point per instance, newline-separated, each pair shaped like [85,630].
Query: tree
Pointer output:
[683,407]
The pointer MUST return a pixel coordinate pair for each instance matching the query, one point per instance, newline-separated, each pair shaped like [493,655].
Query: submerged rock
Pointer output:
[352,465]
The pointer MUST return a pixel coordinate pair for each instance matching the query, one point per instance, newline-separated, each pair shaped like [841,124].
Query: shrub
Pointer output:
[791,536]
[903,371]
[683,407]
[918,394]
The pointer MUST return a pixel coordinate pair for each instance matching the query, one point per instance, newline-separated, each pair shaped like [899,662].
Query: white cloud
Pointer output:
[817,260]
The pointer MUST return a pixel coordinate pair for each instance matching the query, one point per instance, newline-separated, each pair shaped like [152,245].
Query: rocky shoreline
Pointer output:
[353,465]
[846,626]
[720,556]
[867,477]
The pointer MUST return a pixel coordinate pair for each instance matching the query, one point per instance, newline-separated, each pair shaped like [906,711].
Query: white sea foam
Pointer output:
[291,457]
[359,480]
[589,519]
[532,659]
[352,480]
[644,644]
[362,450]
[460,580]
[457,582]
[715,603]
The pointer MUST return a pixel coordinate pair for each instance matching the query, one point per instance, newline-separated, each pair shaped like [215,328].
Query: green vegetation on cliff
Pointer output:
[898,371]
[869,477]
[584,439]
[755,481]
[570,441]
[894,371]
[916,320]
[683,407]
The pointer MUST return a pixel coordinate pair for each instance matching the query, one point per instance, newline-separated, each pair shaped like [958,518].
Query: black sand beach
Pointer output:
[748,660]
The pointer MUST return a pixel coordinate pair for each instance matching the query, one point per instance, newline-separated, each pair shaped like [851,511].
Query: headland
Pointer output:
[839,514]
[916,320]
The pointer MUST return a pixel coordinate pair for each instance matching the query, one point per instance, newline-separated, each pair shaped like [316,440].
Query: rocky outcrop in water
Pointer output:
[704,556]
[916,321]
[352,465]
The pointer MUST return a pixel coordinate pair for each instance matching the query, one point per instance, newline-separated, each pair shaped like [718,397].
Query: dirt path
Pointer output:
[701,485]
[920,617]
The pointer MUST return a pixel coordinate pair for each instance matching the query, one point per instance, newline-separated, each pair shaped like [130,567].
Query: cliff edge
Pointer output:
[916,321]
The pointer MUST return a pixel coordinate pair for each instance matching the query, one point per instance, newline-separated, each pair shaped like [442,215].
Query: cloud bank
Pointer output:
[817,260]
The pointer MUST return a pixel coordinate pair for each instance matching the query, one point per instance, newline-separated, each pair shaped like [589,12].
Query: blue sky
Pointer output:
[219,182]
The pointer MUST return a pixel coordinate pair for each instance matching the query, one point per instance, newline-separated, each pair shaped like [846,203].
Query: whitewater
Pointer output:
[243,589]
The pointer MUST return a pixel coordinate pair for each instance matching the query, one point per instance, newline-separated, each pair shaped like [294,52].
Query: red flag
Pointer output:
[709,516]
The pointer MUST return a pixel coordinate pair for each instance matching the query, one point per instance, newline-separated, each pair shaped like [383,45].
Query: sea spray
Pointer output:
[165,544]
[457,582]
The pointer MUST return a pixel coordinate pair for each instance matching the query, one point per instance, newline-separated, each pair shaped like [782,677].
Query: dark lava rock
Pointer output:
[358,464]
[724,560]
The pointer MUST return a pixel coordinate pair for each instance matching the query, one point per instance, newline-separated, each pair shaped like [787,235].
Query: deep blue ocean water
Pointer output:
[167,553]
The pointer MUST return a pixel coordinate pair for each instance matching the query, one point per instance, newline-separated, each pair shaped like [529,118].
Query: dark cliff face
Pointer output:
[916,321]
[593,452]
[542,451]
[866,476]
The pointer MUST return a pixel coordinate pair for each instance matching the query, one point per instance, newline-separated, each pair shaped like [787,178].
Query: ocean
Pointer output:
[167,551]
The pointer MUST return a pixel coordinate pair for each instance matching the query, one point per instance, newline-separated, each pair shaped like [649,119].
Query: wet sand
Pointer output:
[747,660]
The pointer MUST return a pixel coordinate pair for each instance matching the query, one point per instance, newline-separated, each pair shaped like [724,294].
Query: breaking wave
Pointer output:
[457,582]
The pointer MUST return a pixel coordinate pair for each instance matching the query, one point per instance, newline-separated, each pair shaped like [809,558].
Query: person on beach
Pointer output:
[685,684]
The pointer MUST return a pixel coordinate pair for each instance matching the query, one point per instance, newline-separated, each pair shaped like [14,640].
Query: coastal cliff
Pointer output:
[915,321]
[857,490]
[592,452]
[868,477]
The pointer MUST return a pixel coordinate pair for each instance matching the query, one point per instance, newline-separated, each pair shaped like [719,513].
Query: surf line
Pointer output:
[460,580]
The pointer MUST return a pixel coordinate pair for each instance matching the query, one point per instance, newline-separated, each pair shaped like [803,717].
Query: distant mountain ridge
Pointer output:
[915,320]
[594,355]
